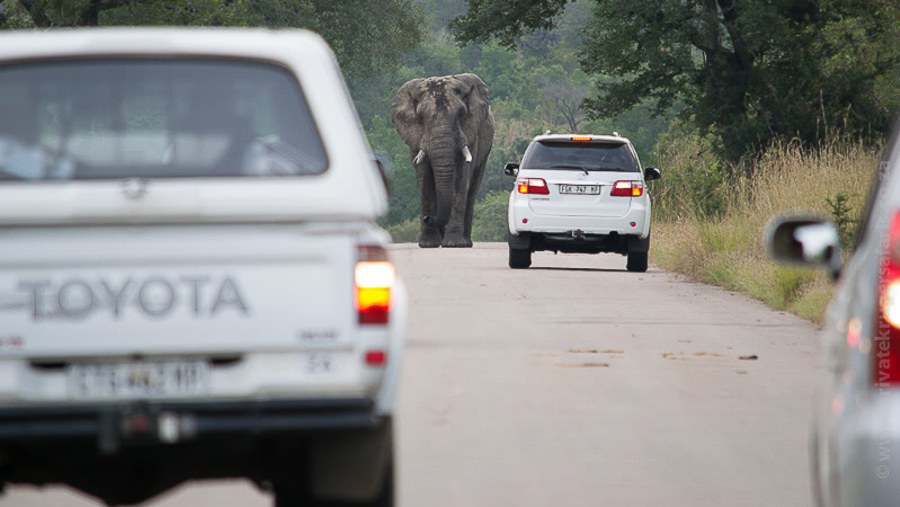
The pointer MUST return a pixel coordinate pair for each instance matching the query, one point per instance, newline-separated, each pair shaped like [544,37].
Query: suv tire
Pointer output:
[519,259]
[637,262]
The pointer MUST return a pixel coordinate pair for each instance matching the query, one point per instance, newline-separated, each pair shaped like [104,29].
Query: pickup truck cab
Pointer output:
[192,282]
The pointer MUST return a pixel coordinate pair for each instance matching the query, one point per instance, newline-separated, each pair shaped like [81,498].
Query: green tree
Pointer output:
[369,37]
[749,71]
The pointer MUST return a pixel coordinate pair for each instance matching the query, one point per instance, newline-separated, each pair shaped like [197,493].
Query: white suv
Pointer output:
[192,280]
[580,194]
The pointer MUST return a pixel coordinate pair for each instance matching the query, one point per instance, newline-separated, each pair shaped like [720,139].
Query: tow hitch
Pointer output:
[138,423]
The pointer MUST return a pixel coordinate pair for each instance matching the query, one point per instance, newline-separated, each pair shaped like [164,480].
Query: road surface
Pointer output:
[577,383]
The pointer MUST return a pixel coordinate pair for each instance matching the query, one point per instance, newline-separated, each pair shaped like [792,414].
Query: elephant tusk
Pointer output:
[419,157]
[467,154]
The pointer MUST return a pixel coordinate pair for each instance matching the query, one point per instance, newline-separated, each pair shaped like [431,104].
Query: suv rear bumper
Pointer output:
[561,224]
[579,242]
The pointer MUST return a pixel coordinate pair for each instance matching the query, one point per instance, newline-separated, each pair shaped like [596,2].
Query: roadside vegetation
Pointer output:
[709,222]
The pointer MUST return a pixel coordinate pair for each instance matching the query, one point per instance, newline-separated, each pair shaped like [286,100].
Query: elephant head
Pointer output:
[447,124]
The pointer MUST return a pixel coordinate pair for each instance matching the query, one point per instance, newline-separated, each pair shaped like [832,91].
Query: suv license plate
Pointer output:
[579,189]
[111,381]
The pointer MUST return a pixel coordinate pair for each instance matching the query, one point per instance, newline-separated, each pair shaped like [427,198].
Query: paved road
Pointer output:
[576,383]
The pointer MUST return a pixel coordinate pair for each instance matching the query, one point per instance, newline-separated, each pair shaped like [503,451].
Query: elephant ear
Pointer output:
[403,112]
[478,103]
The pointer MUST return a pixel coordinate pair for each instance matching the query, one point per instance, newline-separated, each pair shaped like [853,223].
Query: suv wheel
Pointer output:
[519,259]
[637,262]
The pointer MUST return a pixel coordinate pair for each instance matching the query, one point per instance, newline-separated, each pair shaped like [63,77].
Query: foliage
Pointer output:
[694,180]
[841,215]
[491,217]
[367,41]
[748,71]
[505,21]
[727,249]
[405,232]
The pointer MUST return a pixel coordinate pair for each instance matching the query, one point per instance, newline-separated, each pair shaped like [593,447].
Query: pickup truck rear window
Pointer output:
[565,155]
[154,118]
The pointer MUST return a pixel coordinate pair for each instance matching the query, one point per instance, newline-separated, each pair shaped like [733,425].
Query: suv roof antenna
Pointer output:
[547,132]
[616,134]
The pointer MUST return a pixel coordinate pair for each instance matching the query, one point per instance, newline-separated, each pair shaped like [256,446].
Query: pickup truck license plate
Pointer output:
[112,381]
[579,189]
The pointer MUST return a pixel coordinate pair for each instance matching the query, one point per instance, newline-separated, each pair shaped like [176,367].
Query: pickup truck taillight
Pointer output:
[627,188]
[886,347]
[532,186]
[373,279]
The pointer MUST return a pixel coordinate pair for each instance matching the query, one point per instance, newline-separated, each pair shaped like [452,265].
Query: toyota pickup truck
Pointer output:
[192,281]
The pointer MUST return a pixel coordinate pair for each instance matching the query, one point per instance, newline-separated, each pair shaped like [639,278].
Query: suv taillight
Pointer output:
[373,279]
[627,188]
[532,186]
[886,348]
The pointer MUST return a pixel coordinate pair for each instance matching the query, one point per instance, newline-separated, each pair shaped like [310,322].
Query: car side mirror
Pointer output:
[652,173]
[804,241]
[511,169]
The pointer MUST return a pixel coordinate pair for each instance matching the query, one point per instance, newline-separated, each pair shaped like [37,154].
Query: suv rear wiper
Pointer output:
[564,166]
[610,169]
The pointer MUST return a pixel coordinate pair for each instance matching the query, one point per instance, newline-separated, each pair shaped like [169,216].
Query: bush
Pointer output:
[842,216]
[694,179]
[405,232]
[490,221]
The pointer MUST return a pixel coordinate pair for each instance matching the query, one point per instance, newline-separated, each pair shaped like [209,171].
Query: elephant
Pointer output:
[448,125]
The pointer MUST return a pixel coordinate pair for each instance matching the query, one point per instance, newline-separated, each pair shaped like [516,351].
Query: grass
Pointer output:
[726,248]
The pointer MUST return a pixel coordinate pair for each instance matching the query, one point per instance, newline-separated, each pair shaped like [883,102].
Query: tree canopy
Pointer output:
[749,71]
[367,39]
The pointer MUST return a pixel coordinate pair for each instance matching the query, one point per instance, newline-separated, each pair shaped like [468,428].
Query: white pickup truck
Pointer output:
[192,282]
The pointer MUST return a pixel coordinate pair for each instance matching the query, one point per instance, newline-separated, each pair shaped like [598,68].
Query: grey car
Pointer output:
[855,433]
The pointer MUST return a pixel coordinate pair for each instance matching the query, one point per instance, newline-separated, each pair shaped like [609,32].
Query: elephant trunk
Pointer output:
[444,156]
[445,184]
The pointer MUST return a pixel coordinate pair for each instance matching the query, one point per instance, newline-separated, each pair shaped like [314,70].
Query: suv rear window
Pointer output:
[573,155]
[125,118]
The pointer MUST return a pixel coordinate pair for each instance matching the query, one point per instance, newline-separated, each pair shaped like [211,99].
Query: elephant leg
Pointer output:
[454,233]
[470,202]
[429,233]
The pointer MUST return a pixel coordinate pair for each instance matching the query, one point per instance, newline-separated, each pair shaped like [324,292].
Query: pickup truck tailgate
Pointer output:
[174,289]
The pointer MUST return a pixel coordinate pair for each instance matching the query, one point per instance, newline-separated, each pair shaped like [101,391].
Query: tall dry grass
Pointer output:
[720,240]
